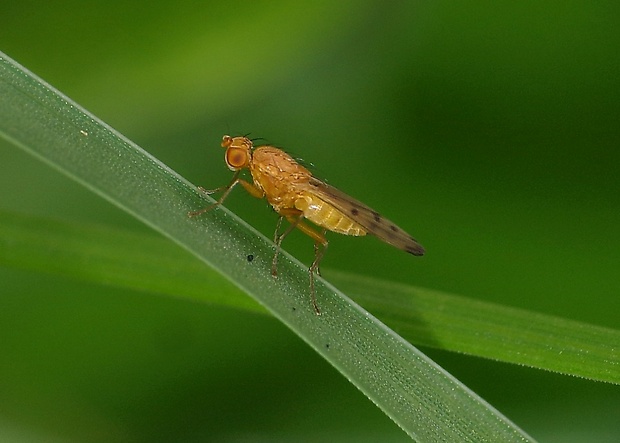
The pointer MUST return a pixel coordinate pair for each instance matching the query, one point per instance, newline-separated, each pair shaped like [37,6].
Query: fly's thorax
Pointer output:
[327,216]
[277,163]
[278,175]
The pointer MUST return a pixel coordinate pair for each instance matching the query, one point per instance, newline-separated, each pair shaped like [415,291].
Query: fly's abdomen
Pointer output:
[327,216]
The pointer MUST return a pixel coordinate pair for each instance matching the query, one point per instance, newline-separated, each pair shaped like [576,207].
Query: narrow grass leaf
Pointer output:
[424,400]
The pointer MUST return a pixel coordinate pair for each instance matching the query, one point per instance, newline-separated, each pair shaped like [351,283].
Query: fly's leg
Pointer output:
[318,252]
[252,190]
[295,216]
[226,190]
[319,240]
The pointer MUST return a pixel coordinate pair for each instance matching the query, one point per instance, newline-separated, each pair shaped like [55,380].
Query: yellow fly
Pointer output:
[296,195]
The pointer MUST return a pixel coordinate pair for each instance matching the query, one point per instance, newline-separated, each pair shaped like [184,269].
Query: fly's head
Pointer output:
[238,152]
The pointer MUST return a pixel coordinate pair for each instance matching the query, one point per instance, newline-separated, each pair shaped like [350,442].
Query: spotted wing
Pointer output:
[369,219]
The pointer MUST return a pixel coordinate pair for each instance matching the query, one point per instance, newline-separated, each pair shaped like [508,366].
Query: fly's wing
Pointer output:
[369,219]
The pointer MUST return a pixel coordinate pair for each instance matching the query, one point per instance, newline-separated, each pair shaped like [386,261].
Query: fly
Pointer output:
[296,196]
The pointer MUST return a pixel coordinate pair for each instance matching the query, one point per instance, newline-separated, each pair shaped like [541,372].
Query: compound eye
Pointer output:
[236,158]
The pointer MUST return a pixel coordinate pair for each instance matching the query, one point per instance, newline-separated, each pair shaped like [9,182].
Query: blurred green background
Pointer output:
[489,131]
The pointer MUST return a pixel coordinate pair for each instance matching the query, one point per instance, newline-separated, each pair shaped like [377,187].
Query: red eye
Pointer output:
[236,158]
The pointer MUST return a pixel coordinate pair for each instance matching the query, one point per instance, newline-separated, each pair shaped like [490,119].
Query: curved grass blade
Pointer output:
[424,400]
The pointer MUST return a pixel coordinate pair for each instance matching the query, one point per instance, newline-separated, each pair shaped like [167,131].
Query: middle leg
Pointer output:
[295,216]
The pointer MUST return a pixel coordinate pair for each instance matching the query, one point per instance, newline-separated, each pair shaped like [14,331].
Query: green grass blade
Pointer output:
[424,400]
[144,262]
[111,256]
[455,323]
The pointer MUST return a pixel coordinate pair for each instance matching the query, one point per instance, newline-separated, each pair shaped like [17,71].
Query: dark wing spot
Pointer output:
[393,228]
[414,249]
[377,216]
[355,211]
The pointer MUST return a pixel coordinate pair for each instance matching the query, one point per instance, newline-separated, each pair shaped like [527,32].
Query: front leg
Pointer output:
[252,190]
